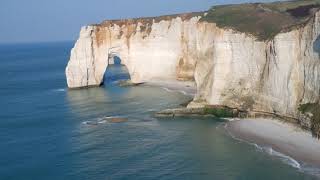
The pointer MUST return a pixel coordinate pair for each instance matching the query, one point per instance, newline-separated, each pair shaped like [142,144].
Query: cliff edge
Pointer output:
[262,57]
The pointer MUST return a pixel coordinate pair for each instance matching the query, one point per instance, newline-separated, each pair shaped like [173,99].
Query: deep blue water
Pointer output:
[50,132]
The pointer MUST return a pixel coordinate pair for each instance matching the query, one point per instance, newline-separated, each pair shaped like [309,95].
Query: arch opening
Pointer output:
[116,71]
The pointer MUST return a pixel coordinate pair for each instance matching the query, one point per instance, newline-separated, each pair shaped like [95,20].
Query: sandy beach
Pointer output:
[282,137]
[292,142]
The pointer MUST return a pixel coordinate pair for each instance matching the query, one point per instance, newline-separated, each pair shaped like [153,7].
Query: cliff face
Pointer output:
[150,48]
[230,68]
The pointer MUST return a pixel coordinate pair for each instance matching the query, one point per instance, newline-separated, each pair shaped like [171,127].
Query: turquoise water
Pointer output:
[50,132]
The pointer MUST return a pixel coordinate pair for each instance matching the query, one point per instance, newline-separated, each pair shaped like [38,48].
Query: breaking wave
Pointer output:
[59,90]
[284,158]
[179,91]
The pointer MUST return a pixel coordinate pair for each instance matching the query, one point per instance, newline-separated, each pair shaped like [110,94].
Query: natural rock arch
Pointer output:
[228,66]
[157,54]
[112,53]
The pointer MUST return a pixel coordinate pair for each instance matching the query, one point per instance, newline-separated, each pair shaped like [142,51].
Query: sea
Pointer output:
[48,132]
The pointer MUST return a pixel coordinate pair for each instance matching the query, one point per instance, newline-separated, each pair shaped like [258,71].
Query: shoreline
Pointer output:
[187,88]
[283,139]
[291,141]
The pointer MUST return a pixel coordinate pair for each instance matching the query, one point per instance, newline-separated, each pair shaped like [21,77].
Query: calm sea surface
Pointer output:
[49,132]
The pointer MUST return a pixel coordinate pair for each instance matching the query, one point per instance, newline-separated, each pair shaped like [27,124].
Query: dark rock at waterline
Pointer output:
[125,83]
[182,112]
[211,111]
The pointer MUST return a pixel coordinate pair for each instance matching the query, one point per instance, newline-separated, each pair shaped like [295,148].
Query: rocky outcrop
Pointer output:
[230,68]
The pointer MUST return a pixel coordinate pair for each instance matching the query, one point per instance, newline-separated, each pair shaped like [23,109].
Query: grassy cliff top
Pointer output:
[263,20]
[150,20]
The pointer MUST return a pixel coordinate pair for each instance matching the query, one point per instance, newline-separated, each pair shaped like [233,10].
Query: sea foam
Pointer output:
[284,158]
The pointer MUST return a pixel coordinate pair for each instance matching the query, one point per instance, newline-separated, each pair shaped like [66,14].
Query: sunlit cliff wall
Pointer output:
[230,68]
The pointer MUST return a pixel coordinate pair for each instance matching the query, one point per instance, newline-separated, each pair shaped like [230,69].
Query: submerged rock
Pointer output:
[117,120]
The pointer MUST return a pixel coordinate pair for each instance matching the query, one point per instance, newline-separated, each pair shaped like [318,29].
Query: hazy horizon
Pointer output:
[55,21]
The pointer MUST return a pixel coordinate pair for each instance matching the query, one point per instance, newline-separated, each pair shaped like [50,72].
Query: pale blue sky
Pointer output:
[59,20]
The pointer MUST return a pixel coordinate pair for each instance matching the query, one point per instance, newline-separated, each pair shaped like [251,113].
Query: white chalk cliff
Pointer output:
[229,67]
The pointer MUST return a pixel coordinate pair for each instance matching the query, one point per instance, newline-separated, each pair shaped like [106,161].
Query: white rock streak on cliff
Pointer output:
[230,68]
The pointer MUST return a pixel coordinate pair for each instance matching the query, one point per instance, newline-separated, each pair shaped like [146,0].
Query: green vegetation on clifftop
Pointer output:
[262,20]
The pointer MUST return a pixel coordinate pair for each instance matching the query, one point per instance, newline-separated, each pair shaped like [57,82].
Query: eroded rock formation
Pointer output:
[229,67]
